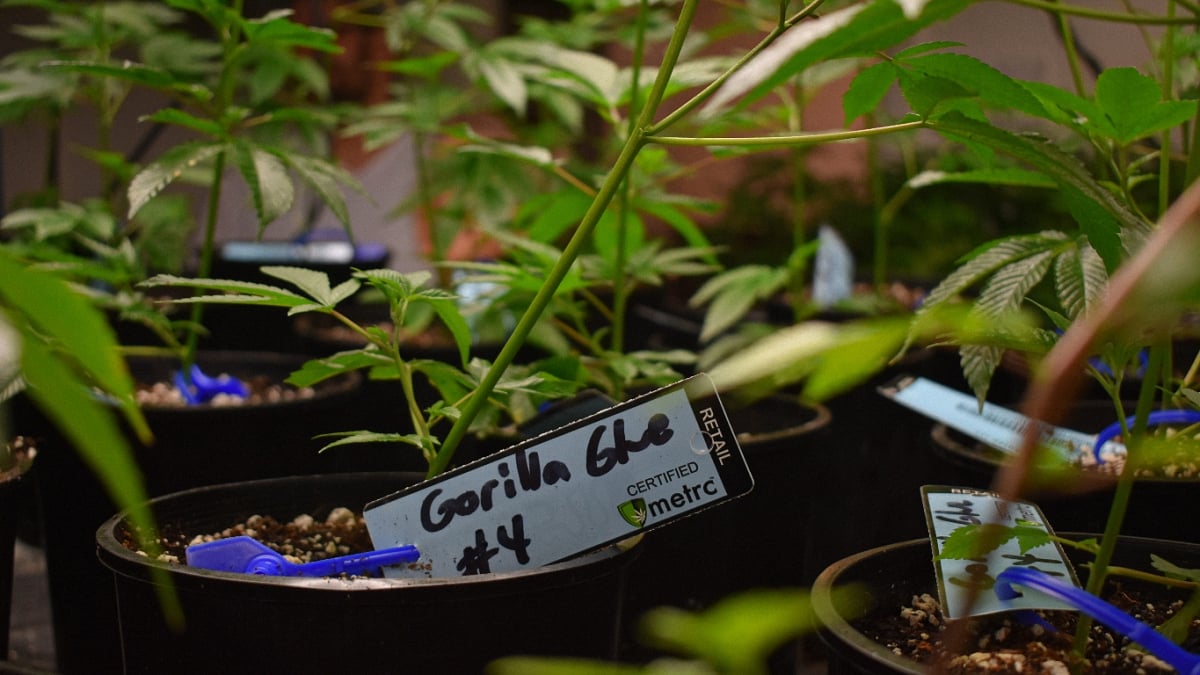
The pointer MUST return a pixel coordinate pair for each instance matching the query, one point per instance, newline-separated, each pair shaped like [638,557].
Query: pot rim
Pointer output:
[123,561]
[979,457]
[831,620]
[337,385]
[821,420]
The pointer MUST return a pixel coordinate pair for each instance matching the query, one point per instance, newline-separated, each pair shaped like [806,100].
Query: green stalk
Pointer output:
[704,94]
[204,270]
[1068,38]
[1120,504]
[785,140]
[1100,15]
[1168,93]
[881,220]
[545,294]
[621,290]
[796,155]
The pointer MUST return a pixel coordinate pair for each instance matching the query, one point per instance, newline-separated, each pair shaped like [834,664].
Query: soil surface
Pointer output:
[262,389]
[304,539]
[1003,644]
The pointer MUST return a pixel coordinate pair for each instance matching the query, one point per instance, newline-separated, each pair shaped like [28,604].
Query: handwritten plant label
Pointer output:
[619,472]
[994,425]
[965,587]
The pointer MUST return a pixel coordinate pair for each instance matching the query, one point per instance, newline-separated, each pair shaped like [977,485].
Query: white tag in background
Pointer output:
[994,425]
[621,471]
[949,508]
[833,272]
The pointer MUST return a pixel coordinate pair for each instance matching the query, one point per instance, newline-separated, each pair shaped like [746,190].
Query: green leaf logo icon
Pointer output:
[634,512]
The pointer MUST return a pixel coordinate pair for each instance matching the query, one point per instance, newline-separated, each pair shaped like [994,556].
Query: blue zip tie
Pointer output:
[1156,418]
[1155,642]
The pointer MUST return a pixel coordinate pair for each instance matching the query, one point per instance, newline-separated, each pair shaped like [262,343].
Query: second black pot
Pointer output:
[238,623]
[193,447]
[754,541]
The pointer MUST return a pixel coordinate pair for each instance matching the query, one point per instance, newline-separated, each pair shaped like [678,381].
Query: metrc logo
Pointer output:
[634,512]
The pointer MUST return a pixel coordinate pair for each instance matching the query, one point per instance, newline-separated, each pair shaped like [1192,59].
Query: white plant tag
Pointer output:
[619,472]
[966,587]
[994,425]
[833,272]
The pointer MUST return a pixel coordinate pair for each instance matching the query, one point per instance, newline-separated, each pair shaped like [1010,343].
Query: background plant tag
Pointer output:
[994,425]
[949,508]
[833,273]
[604,478]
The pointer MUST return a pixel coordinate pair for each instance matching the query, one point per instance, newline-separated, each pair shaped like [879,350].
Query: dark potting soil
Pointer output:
[1000,643]
[304,539]
[262,389]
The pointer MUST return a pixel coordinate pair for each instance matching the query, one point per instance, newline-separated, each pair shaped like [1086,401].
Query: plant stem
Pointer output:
[621,289]
[1099,15]
[786,140]
[1168,94]
[1068,40]
[705,93]
[629,151]
[204,269]
[1120,504]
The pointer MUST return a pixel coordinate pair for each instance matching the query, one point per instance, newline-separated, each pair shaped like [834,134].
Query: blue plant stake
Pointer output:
[246,555]
[198,388]
[1183,661]
[1156,418]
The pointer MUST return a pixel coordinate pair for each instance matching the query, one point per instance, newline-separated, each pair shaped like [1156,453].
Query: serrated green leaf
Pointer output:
[1172,570]
[1104,219]
[990,176]
[187,120]
[327,180]
[281,32]
[427,67]
[1133,105]
[237,292]
[1009,285]
[866,91]
[76,328]
[1080,278]
[149,182]
[448,311]
[732,294]
[315,371]
[980,79]
[987,261]
[270,185]
[17,86]
[313,282]
[358,437]
[506,82]
[979,363]
[69,402]
[975,541]
[849,31]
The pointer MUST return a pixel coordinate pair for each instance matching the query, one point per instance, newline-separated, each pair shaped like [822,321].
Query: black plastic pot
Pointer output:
[13,485]
[755,541]
[249,624]
[195,446]
[890,575]
[875,460]
[1082,507]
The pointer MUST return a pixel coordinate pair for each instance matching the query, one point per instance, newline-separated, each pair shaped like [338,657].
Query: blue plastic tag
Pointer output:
[602,479]
[993,425]
[966,587]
